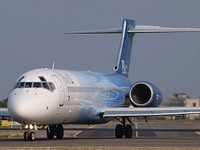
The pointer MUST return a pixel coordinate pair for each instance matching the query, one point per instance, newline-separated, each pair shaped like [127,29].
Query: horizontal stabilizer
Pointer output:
[137,29]
[103,31]
[128,30]
[159,29]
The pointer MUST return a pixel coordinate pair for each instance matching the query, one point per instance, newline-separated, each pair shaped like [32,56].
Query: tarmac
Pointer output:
[152,135]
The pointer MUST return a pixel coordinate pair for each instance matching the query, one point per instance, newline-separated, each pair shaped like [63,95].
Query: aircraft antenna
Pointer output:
[53,66]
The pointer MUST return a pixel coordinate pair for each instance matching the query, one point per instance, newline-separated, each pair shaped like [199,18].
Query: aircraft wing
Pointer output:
[4,112]
[148,111]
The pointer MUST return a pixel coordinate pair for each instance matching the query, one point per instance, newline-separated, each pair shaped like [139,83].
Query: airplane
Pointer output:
[54,97]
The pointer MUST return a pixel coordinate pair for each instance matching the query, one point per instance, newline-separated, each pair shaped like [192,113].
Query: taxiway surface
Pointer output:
[152,134]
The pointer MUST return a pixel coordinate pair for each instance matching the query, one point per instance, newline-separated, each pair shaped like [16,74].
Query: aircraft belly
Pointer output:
[82,114]
[77,114]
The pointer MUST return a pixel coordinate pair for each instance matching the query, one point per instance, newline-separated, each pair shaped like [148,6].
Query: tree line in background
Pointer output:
[3,103]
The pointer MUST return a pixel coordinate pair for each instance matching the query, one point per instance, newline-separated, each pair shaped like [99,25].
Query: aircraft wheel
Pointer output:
[51,132]
[59,132]
[128,131]
[26,136]
[119,131]
[31,136]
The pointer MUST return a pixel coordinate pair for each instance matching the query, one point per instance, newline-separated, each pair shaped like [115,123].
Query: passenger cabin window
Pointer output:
[43,84]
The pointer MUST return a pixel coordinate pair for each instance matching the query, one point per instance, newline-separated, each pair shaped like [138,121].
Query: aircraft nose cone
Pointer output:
[26,108]
[17,109]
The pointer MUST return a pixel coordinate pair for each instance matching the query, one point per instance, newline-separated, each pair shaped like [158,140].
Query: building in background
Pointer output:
[177,100]
[192,103]
[182,100]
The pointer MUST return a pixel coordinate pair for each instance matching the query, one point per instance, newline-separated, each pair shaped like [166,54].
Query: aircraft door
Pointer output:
[60,88]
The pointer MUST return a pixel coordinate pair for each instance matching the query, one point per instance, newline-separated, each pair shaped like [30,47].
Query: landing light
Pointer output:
[26,126]
[31,126]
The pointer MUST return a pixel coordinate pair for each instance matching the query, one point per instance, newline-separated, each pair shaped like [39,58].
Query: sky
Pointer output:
[32,36]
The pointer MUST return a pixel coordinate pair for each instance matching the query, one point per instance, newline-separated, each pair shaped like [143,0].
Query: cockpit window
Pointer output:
[46,85]
[20,85]
[28,84]
[52,86]
[42,78]
[20,79]
[37,85]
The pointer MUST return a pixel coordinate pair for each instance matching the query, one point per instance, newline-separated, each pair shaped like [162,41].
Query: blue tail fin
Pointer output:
[124,54]
[129,29]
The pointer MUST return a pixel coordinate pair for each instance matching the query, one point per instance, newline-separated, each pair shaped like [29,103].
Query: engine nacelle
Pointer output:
[145,94]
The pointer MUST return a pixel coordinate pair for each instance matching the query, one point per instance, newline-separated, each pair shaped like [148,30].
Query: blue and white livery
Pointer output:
[52,97]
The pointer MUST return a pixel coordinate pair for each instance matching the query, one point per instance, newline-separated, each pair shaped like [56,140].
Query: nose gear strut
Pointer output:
[29,134]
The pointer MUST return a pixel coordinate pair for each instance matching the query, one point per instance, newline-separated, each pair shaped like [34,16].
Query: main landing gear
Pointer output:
[123,129]
[55,130]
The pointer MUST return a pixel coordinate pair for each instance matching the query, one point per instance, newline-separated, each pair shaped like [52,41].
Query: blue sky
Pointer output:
[32,36]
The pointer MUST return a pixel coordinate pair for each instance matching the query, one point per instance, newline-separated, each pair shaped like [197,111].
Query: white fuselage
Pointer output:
[51,96]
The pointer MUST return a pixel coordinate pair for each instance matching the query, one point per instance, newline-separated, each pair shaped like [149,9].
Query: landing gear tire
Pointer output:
[119,131]
[55,130]
[29,136]
[51,132]
[59,132]
[26,136]
[128,131]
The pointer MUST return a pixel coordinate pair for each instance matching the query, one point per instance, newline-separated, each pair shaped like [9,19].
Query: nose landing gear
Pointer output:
[29,134]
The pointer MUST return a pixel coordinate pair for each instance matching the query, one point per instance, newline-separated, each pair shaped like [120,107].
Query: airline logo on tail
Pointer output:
[124,68]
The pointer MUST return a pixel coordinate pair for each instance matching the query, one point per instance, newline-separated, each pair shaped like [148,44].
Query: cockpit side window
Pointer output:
[20,85]
[45,85]
[52,86]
